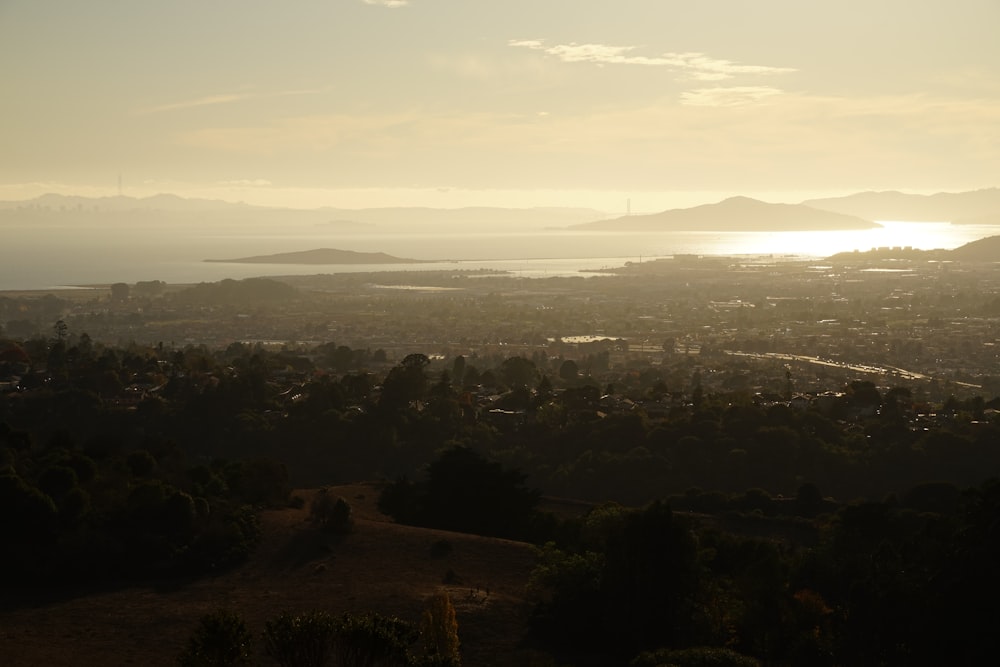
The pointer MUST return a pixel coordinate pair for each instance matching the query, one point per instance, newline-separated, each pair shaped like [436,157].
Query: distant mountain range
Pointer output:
[321,256]
[736,214]
[172,207]
[973,207]
[857,211]
[160,202]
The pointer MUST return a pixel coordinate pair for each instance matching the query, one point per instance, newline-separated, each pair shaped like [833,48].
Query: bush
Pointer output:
[694,657]
[316,639]
[332,514]
[305,640]
[221,640]
[372,639]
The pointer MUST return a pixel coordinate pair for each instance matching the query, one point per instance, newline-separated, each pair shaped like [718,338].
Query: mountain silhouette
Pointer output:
[321,256]
[736,214]
[984,250]
[974,206]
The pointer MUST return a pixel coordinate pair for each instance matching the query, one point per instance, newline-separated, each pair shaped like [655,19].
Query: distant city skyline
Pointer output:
[371,103]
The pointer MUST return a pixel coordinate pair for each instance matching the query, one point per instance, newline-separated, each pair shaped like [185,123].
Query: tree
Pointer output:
[458,370]
[372,640]
[467,493]
[707,656]
[119,292]
[439,629]
[808,499]
[220,640]
[331,514]
[405,383]
[303,640]
[569,370]
[649,579]
[518,372]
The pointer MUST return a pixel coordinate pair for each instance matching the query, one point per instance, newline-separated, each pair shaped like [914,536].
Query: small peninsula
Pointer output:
[322,256]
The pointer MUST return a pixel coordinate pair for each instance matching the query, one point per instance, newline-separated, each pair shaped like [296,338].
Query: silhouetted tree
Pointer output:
[220,640]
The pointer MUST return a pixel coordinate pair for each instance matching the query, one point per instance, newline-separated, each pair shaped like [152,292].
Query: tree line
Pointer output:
[863,535]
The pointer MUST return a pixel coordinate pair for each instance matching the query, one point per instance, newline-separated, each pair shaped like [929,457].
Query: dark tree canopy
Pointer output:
[467,493]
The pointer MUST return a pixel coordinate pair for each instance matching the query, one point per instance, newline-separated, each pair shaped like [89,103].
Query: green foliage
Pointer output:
[29,515]
[405,383]
[566,588]
[331,514]
[316,639]
[401,500]
[638,592]
[259,482]
[141,463]
[518,372]
[226,537]
[439,629]
[650,578]
[302,640]
[220,640]
[57,480]
[238,292]
[119,292]
[694,657]
[372,640]
[466,493]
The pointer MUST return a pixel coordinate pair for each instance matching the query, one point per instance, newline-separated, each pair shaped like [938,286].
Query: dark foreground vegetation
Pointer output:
[759,464]
[717,528]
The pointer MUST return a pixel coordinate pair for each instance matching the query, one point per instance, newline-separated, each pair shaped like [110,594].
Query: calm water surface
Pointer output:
[50,257]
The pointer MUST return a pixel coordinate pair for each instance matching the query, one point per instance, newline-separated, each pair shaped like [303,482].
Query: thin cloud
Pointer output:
[209,100]
[728,97]
[226,98]
[704,68]
[391,4]
[246,183]
[691,65]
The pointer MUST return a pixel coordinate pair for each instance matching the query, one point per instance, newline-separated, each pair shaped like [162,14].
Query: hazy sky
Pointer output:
[457,102]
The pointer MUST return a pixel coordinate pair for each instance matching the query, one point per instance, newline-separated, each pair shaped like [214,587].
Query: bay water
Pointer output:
[47,257]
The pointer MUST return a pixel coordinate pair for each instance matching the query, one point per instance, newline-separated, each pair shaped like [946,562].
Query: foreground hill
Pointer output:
[976,206]
[381,566]
[983,250]
[321,256]
[736,214]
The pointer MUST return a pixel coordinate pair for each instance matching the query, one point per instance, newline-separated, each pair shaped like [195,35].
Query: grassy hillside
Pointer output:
[381,566]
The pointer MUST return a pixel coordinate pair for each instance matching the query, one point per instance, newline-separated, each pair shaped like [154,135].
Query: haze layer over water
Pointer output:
[41,258]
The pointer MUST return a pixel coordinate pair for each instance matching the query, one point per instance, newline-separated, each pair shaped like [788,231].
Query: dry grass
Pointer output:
[381,566]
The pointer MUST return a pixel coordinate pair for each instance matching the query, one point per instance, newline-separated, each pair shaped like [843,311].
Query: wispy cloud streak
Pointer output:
[224,98]
[732,96]
[692,65]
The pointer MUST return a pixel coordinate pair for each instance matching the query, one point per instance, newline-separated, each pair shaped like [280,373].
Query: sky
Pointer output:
[648,104]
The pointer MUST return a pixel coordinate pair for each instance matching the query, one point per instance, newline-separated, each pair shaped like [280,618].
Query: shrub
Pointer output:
[220,640]
[304,640]
[372,639]
[316,639]
[694,657]
[440,548]
[332,514]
